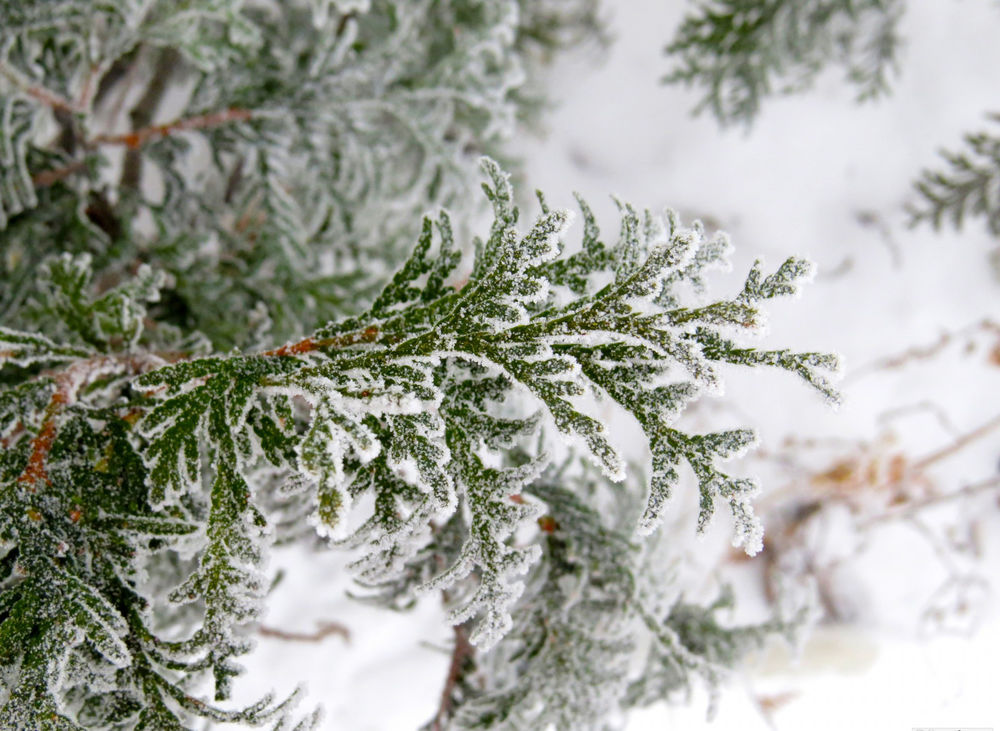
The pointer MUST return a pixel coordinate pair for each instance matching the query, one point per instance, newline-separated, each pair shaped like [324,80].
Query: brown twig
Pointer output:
[768,704]
[140,137]
[308,345]
[462,652]
[35,472]
[51,99]
[915,506]
[956,446]
[925,352]
[45,178]
[135,140]
[89,86]
[324,630]
[142,115]
[68,382]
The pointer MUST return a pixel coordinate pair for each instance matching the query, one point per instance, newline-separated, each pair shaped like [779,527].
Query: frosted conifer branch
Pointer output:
[214,356]
[970,187]
[738,52]
[412,401]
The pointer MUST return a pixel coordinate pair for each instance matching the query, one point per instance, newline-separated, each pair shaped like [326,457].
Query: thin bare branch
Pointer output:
[45,178]
[49,98]
[135,140]
[956,446]
[925,352]
[142,115]
[324,630]
[913,507]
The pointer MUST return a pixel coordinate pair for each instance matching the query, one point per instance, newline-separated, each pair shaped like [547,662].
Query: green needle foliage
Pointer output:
[739,52]
[597,597]
[159,439]
[261,129]
[969,187]
[123,470]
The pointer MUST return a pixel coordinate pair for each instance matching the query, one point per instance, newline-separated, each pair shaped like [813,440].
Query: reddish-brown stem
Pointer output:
[462,651]
[308,345]
[53,100]
[135,140]
[68,382]
[138,138]
[41,445]
[303,346]
[45,178]
[49,98]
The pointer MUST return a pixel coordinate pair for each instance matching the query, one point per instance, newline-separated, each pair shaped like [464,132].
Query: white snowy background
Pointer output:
[822,177]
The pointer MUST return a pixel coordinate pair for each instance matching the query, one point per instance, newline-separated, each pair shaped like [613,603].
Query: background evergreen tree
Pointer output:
[736,53]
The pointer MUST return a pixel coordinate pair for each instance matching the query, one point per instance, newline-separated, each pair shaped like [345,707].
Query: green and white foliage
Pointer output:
[252,165]
[968,187]
[143,482]
[737,52]
[592,615]
[691,643]
[83,618]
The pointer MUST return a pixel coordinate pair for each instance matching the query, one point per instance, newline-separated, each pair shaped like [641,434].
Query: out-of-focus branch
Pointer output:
[53,100]
[956,446]
[324,630]
[925,352]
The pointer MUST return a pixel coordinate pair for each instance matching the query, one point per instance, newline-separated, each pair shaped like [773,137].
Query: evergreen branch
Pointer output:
[24,349]
[691,641]
[970,187]
[590,603]
[158,438]
[18,121]
[395,392]
[739,52]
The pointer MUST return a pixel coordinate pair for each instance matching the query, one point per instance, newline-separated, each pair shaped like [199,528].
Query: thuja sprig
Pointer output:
[388,387]
[417,402]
